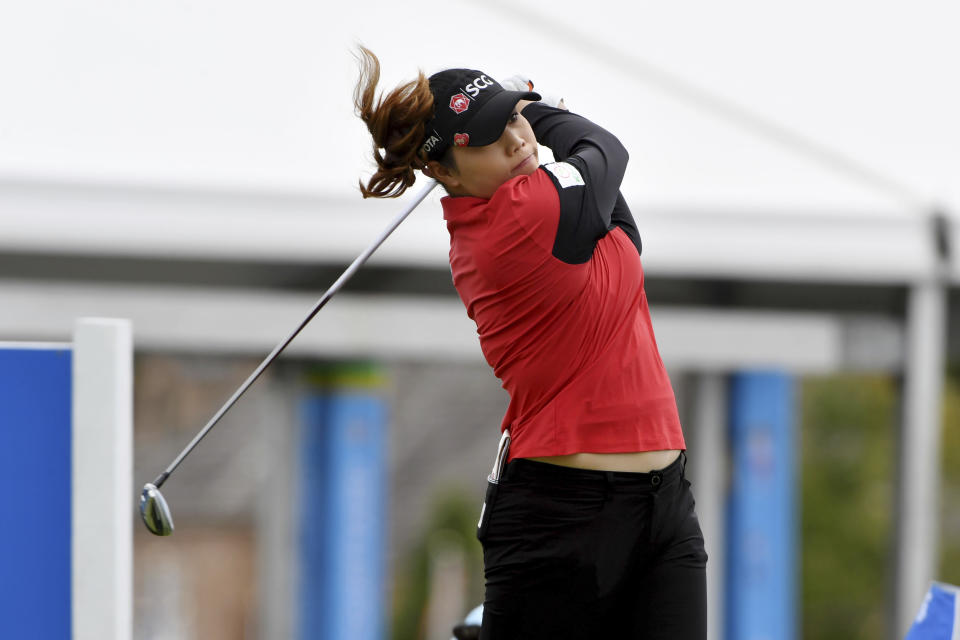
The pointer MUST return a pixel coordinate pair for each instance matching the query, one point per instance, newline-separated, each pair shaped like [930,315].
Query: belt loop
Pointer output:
[683,466]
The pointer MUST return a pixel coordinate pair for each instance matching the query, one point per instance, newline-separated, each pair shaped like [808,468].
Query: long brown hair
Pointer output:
[397,123]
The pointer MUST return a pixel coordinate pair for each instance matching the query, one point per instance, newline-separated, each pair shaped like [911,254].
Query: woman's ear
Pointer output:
[445,175]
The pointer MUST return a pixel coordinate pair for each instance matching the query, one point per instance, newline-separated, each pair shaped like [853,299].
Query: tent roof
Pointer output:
[754,129]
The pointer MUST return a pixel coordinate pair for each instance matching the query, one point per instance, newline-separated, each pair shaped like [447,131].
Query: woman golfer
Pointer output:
[589,530]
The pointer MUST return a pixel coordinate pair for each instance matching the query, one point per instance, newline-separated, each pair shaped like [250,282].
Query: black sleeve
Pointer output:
[592,205]
[624,219]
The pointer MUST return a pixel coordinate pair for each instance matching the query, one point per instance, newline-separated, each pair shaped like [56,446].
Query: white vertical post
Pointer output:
[103,506]
[920,449]
[276,533]
[708,466]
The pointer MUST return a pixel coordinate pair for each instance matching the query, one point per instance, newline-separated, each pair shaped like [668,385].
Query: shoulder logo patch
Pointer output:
[566,174]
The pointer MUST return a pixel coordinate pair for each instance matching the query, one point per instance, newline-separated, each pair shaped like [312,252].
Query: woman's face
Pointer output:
[481,170]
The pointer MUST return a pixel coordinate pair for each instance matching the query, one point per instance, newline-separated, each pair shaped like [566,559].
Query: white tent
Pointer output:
[808,139]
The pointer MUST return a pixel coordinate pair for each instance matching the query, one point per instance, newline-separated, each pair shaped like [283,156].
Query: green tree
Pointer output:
[452,519]
[849,426]
[950,484]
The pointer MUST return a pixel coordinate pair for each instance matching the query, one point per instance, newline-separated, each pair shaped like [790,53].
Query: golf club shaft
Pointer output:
[346,275]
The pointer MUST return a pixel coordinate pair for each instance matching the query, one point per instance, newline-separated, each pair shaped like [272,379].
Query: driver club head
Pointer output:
[154,511]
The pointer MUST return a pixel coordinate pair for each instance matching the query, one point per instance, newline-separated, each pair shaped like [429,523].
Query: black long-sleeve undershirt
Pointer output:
[590,210]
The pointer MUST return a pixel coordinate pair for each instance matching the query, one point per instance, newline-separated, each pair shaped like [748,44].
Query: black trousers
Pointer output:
[579,554]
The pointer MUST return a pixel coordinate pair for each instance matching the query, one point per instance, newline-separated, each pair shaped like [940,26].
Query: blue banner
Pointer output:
[342,516]
[939,615]
[761,520]
[35,492]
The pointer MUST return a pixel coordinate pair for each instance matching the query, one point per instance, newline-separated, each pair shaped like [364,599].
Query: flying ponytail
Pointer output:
[397,123]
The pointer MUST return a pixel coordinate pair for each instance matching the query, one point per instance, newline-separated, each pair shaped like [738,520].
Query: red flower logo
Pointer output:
[459,103]
[461,139]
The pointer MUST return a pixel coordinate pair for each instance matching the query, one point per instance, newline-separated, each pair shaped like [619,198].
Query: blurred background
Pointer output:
[795,174]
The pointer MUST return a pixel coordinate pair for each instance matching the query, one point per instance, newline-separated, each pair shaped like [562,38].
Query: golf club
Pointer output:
[153,507]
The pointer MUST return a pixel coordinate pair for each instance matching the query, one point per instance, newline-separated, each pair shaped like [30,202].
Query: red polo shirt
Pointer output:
[571,343]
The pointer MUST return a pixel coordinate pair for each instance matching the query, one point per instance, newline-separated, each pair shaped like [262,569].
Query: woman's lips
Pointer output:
[523,162]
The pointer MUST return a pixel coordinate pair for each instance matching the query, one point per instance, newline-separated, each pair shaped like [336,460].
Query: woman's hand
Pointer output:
[522,83]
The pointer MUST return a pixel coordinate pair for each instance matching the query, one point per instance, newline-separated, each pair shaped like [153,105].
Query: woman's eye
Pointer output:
[514,116]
